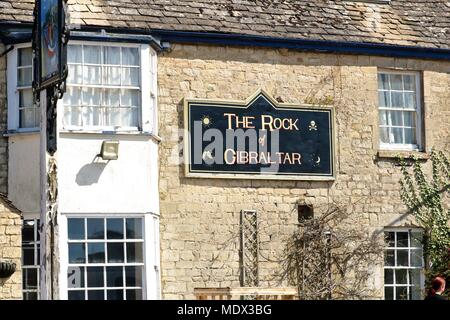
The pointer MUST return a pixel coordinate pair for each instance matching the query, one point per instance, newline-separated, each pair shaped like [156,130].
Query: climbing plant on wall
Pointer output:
[427,198]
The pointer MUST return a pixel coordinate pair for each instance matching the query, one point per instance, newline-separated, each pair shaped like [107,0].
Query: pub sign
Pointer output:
[51,50]
[258,139]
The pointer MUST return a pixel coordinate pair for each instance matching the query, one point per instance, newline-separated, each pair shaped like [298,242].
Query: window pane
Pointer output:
[114,229]
[390,238]
[112,75]
[397,99]
[114,276]
[26,98]
[401,293]
[401,276]
[25,57]
[114,117]
[409,118]
[134,294]
[415,277]
[27,118]
[396,135]
[383,81]
[416,257]
[30,276]
[75,75]
[134,252]
[383,99]
[396,82]
[383,118]
[28,231]
[402,258]
[112,55]
[76,295]
[72,97]
[416,239]
[395,118]
[112,97]
[115,294]
[77,253]
[384,135]
[130,117]
[115,252]
[96,295]
[402,239]
[410,136]
[92,54]
[92,96]
[130,56]
[133,276]
[96,252]
[30,296]
[410,100]
[75,277]
[130,77]
[94,277]
[92,75]
[28,254]
[388,276]
[75,228]
[24,77]
[389,259]
[129,98]
[409,82]
[416,293]
[134,228]
[72,116]
[74,54]
[95,229]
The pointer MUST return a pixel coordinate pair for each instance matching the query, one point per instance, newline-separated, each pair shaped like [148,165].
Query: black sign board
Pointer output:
[260,138]
[51,50]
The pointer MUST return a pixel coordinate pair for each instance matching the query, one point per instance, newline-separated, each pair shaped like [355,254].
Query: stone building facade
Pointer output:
[10,249]
[336,53]
[200,218]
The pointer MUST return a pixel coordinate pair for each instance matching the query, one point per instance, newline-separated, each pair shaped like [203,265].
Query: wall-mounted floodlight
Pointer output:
[110,150]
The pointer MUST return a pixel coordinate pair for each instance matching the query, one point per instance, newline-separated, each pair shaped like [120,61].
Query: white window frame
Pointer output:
[151,274]
[386,247]
[13,91]
[147,115]
[36,218]
[419,113]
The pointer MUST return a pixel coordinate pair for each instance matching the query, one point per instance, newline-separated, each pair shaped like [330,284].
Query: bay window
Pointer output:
[110,87]
[104,87]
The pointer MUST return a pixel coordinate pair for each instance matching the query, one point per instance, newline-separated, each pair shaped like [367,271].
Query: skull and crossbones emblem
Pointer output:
[312,126]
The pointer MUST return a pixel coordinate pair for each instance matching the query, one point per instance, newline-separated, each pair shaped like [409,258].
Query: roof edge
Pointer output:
[236,39]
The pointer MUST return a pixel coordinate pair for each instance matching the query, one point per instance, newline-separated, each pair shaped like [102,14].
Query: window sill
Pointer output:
[393,154]
[12,133]
[113,133]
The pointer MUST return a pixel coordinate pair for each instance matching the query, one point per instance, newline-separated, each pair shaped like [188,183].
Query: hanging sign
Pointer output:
[258,139]
[51,50]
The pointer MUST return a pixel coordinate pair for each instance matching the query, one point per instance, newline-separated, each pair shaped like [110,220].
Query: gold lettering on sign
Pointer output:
[270,123]
[252,157]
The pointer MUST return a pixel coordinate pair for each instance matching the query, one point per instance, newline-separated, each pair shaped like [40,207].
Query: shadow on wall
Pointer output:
[90,173]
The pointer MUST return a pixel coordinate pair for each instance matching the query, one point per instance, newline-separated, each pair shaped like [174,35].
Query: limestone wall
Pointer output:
[10,250]
[200,217]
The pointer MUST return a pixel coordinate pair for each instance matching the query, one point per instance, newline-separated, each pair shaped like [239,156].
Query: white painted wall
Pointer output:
[23,172]
[89,185]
